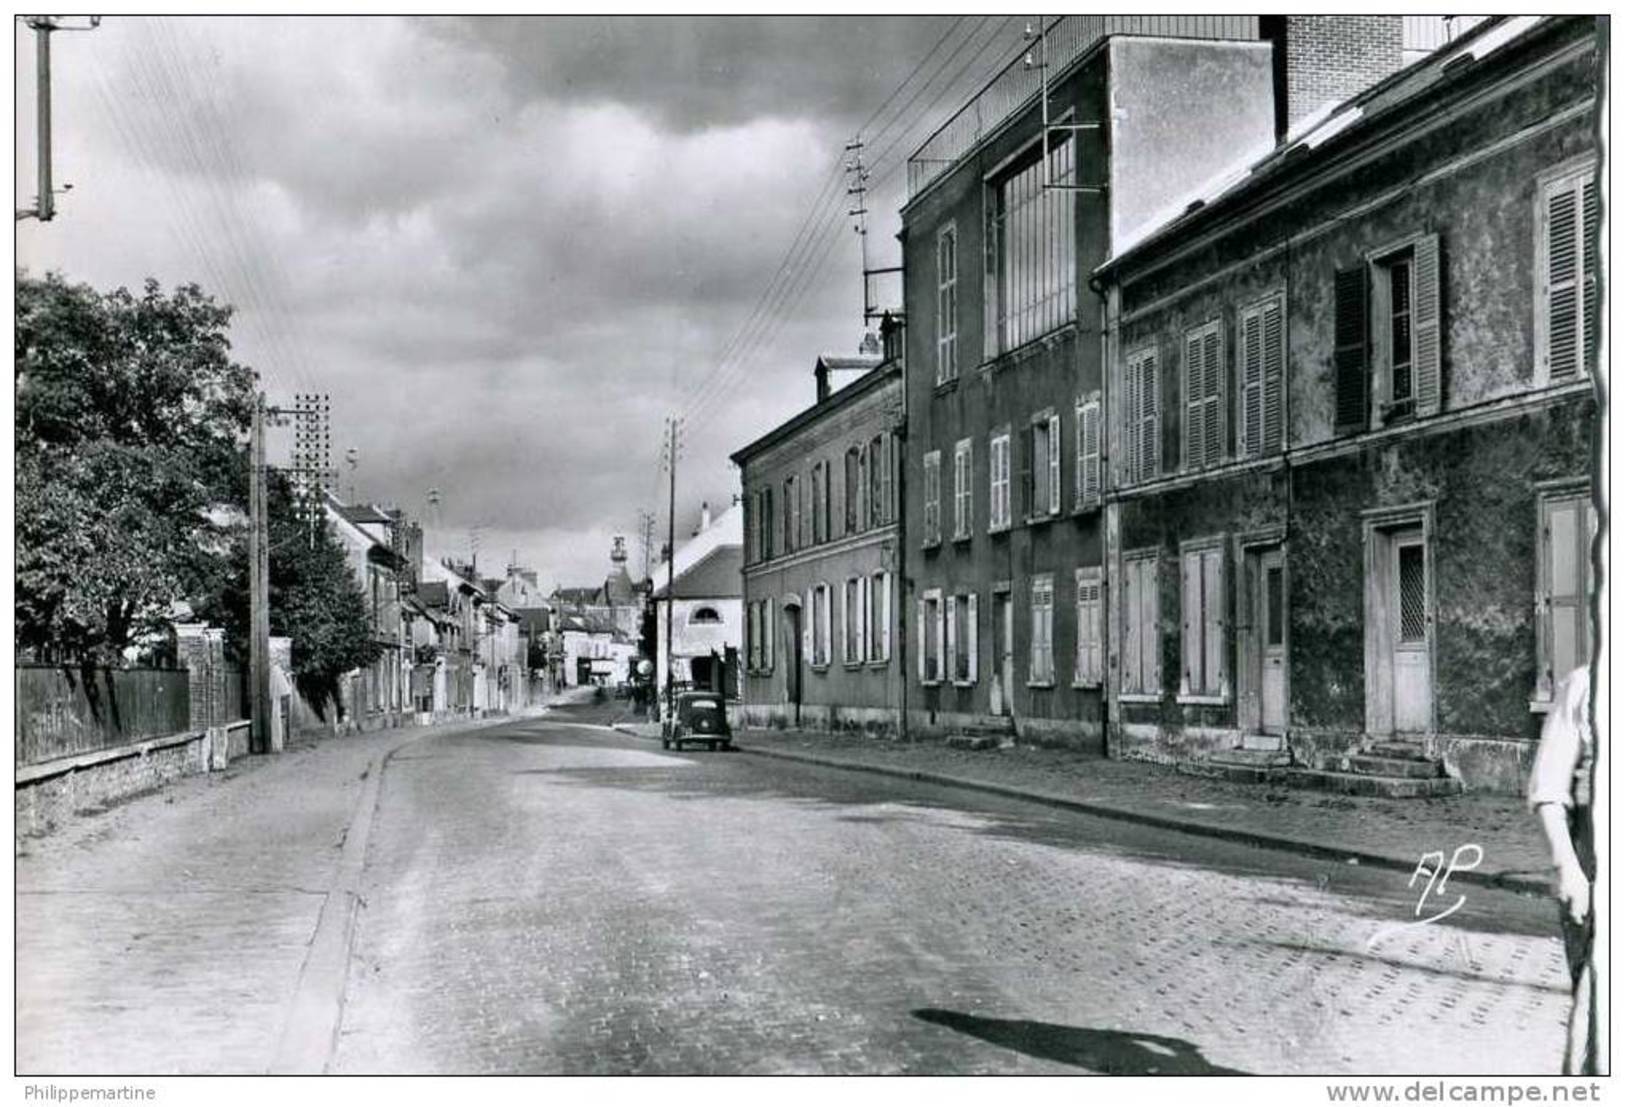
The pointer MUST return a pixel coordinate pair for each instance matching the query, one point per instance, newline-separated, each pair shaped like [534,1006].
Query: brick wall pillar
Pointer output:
[281,691]
[192,652]
[215,638]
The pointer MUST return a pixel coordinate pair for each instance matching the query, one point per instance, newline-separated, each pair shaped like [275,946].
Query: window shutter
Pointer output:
[1054,464]
[846,624]
[941,632]
[1091,452]
[1195,450]
[885,617]
[1252,384]
[829,620]
[1588,272]
[888,498]
[1190,613]
[1349,357]
[804,494]
[1212,396]
[770,618]
[1151,409]
[919,619]
[1213,613]
[1150,626]
[1568,548]
[1427,326]
[972,645]
[1274,373]
[1563,267]
[809,615]
[1024,509]
[951,655]
[861,636]
[1130,593]
[1128,466]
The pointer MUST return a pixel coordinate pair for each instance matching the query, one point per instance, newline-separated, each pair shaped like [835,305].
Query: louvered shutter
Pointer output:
[846,624]
[1151,413]
[809,616]
[919,619]
[1213,616]
[951,654]
[1150,627]
[804,492]
[1588,272]
[885,616]
[1564,269]
[862,616]
[941,632]
[1130,593]
[1212,396]
[1353,386]
[1023,508]
[1252,383]
[1566,623]
[862,518]
[888,495]
[1195,426]
[1054,464]
[1128,467]
[1274,374]
[769,609]
[1191,622]
[1426,326]
[972,645]
[1089,453]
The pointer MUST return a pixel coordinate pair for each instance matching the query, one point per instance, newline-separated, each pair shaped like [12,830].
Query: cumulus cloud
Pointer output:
[506,248]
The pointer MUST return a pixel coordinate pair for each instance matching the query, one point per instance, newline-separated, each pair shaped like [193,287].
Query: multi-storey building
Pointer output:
[821,554]
[1351,429]
[1013,203]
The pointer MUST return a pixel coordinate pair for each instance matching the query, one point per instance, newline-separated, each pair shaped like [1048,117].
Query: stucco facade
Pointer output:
[1395,435]
[823,642]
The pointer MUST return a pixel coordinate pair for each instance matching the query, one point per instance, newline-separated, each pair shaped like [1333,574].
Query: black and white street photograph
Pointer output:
[842,544]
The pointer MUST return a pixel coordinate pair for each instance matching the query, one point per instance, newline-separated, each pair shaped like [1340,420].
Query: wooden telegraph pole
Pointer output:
[671,550]
[259,599]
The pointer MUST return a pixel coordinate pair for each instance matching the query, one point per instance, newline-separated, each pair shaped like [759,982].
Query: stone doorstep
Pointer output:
[971,742]
[1363,784]
[1369,765]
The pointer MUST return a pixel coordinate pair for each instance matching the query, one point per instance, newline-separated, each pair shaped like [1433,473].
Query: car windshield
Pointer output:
[703,705]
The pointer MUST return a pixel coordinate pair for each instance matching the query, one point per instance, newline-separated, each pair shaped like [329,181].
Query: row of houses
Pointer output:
[451,643]
[1245,412]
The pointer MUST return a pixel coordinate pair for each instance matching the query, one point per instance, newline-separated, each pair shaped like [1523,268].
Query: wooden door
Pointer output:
[1271,624]
[1411,625]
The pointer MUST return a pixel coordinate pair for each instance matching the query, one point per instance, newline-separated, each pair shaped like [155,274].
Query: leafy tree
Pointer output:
[315,599]
[129,423]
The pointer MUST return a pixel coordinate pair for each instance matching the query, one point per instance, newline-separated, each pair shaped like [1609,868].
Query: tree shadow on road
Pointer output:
[1113,1052]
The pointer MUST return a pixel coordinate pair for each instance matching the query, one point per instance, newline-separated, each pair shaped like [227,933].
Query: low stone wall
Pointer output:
[880,722]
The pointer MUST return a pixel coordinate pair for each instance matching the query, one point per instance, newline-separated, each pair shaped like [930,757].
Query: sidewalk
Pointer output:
[1358,829]
[174,933]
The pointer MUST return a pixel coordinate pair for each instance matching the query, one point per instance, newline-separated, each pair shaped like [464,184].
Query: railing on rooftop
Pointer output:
[1067,38]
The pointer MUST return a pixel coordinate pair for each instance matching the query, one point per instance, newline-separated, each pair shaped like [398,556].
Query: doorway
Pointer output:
[1004,665]
[792,651]
[1263,642]
[1399,631]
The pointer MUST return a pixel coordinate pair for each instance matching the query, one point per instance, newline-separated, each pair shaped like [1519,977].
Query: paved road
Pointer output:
[546,898]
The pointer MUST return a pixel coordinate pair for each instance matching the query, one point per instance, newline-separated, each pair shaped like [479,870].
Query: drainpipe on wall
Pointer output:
[899,608]
[1105,546]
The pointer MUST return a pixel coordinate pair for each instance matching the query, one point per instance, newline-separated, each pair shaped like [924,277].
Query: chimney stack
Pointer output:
[1321,58]
[821,377]
[705,516]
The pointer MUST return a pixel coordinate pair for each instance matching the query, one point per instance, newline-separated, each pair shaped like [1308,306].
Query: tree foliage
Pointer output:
[129,423]
[315,599]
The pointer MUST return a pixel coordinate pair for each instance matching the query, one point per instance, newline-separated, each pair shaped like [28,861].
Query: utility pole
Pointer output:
[859,213]
[43,26]
[259,599]
[671,547]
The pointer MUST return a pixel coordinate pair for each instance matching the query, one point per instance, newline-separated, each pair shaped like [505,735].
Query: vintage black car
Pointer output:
[697,717]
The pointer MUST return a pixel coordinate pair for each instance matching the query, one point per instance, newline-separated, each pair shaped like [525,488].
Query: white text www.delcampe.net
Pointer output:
[1445,1091]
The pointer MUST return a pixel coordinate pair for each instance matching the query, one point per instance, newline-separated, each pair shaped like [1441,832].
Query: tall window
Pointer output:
[962,488]
[933,497]
[932,634]
[1204,396]
[753,636]
[852,618]
[1566,306]
[1088,664]
[820,503]
[1032,231]
[877,597]
[879,482]
[1044,497]
[962,638]
[1142,642]
[1567,523]
[998,464]
[1399,292]
[820,624]
[1088,477]
[947,304]
[792,514]
[1202,629]
[853,484]
[1042,667]
[1262,341]
[1142,417]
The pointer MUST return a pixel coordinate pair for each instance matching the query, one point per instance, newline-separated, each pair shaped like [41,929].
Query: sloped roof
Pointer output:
[718,576]
[433,593]
[727,529]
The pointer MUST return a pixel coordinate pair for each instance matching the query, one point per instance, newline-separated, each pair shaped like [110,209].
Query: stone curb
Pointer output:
[1507,881]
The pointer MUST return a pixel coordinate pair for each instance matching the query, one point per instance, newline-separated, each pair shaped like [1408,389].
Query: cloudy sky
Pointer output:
[506,247]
